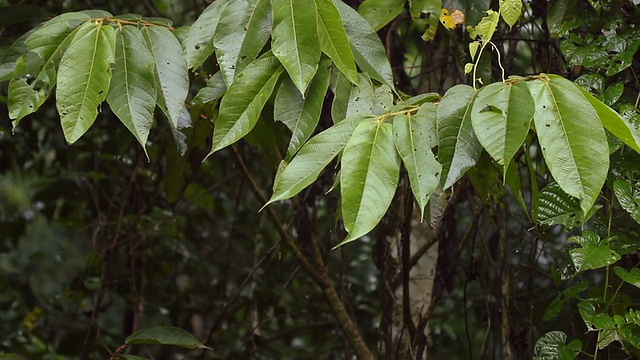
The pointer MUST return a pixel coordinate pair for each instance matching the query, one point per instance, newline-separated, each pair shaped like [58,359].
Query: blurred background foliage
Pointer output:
[96,242]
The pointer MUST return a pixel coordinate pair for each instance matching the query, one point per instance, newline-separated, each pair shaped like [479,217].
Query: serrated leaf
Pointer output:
[632,277]
[83,78]
[133,94]
[294,40]
[380,12]
[629,198]
[243,30]
[510,11]
[314,156]
[198,43]
[213,91]
[171,74]
[616,124]
[573,141]
[301,114]
[242,104]
[164,335]
[501,116]
[458,149]
[415,137]
[368,177]
[368,51]
[333,40]
[551,346]
[593,252]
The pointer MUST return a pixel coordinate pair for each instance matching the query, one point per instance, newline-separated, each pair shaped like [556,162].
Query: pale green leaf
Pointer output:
[629,198]
[243,30]
[368,177]
[593,252]
[172,77]
[486,27]
[616,124]
[133,94]
[382,99]
[380,12]
[458,149]
[360,97]
[333,39]
[510,11]
[367,48]
[501,117]
[294,40]
[572,138]
[301,114]
[632,277]
[415,137]
[198,43]
[213,91]
[242,104]
[83,78]
[314,156]
[164,335]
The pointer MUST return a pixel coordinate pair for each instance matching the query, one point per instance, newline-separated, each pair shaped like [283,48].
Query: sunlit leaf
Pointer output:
[164,335]
[510,11]
[133,94]
[241,105]
[198,43]
[593,252]
[415,137]
[487,26]
[573,141]
[243,30]
[172,77]
[83,78]
[458,149]
[333,39]
[380,12]
[294,39]
[368,177]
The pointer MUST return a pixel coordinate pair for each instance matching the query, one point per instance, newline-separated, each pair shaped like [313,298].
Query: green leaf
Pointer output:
[213,91]
[368,177]
[551,346]
[593,253]
[486,27]
[83,78]
[133,94]
[11,55]
[333,40]
[341,89]
[458,149]
[368,51]
[294,40]
[380,12]
[510,11]
[164,335]
[171,74]
[557,207]
[415,137]
[301,114]
[629,198]
[244,28]
[314,156]
[5,356]
[632,277]
[616,124]
[592,319]
[242,104]
[198,43]
[556,305]
[501,117]
[382,99]
[361,97]
[573,141]
[427,12]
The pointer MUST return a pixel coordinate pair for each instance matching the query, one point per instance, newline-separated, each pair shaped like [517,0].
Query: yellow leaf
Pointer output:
[446,20]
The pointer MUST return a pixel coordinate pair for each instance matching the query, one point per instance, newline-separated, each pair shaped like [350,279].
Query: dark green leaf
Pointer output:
[164,335]
[380,12]
[632,277]
[213,91]
[629,198]
[593,252]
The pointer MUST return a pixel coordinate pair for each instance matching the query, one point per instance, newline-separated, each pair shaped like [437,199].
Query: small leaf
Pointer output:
[83,78]
[446,20]
[426,12]
[333,40]
[632,277]
[133,94]
[312,158]
[380,12]
[367,48]
[557,207]
[294,40]
[510,11]
[368,177]
[165,335]
[242,104]
[593,253]
[458,149]
[301,114]
[551,346]
[213,91]
[487,26]
[629,198]
[573,141]
[198,43]
[171,74]
[415,137]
